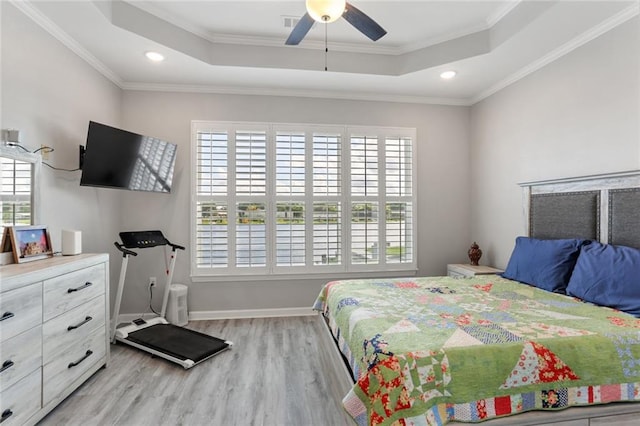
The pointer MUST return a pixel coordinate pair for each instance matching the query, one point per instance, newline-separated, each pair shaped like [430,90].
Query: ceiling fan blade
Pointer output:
[300,30]
[363,23]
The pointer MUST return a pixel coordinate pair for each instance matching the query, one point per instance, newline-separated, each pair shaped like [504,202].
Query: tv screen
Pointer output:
[115,158]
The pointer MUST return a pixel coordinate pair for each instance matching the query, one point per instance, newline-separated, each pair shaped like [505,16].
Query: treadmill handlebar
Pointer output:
[146,239]
[175,246]
[124,251]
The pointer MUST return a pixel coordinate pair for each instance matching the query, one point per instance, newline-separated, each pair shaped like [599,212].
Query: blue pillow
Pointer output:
[608,275]
[545,264]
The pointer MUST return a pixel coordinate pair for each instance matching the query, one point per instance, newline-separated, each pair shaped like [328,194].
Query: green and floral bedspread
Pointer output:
[426,351]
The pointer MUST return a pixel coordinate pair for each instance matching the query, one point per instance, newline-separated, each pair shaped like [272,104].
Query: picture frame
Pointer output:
[6,240]
[6,251]
[30,243]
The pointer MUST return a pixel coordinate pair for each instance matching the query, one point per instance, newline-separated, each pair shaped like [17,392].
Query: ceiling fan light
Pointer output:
[325,10]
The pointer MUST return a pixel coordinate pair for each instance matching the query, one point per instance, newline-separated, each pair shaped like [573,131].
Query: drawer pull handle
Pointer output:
[85,285]
[86,355]
[6,414]
[80,324]
[6,316]
[6,365]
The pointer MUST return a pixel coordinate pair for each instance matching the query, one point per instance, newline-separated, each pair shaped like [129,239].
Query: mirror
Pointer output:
[19,191]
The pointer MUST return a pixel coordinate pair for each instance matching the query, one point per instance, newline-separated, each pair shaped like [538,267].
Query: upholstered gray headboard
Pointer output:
[624,216]
[565,215]
[599,207]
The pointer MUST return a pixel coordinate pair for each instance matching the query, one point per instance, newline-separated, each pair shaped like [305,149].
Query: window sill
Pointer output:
[334,275]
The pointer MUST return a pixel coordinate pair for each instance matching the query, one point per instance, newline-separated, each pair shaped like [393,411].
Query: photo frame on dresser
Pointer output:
[5,246]
[6,253]
[28,243]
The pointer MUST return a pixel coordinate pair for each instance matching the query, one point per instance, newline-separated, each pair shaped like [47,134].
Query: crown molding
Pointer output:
[308,44]
[316,44]
[324,94]
[219,38]
[29,10]
[584,38]
[371,48]
[32,12]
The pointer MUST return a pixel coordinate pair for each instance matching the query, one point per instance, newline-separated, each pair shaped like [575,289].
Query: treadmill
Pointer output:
[157,336]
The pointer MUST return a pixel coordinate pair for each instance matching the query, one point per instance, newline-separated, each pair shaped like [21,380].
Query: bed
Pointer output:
[559,331]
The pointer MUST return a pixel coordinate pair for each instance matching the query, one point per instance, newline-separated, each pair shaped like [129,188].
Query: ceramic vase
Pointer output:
[475,254]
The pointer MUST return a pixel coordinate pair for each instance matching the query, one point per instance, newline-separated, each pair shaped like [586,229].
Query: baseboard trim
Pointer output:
[251,313]
[235,314]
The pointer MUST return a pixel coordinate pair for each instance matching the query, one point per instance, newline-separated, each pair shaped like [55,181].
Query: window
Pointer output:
[274,199]
[18,172]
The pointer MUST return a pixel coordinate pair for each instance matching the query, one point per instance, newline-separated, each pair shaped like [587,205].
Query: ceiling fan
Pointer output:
[327,11]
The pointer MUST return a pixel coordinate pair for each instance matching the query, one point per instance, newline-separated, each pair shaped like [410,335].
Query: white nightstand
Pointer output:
[468,271]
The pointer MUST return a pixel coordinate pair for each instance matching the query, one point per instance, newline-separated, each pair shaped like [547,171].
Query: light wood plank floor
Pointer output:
[271,376]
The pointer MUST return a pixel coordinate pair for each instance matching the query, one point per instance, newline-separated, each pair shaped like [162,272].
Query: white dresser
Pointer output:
[54,332]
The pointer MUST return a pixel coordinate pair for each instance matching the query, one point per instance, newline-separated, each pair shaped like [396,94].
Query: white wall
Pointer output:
[50,94]
[577,116]
[443,182]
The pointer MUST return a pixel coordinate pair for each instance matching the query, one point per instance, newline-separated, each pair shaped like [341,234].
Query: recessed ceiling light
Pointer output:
[448,75]
[154,56]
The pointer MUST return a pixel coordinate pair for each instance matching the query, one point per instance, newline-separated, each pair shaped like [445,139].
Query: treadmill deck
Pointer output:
[178,342]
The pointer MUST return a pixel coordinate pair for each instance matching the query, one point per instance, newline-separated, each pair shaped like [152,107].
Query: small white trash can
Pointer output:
[177,312]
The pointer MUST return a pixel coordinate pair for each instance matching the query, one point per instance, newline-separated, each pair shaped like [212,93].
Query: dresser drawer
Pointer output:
[20,310]
[22,400]
[73,289]
[20,356]
[72,328]
[59,373]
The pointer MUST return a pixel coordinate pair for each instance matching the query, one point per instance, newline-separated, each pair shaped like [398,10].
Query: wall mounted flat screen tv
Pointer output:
[115,158]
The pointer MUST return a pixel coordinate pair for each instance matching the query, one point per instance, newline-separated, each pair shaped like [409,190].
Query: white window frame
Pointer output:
[272,270]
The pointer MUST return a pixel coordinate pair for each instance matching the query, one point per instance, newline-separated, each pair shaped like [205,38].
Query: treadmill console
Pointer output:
[143,239]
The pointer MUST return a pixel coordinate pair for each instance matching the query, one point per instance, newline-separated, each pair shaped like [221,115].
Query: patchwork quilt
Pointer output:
[426,351]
